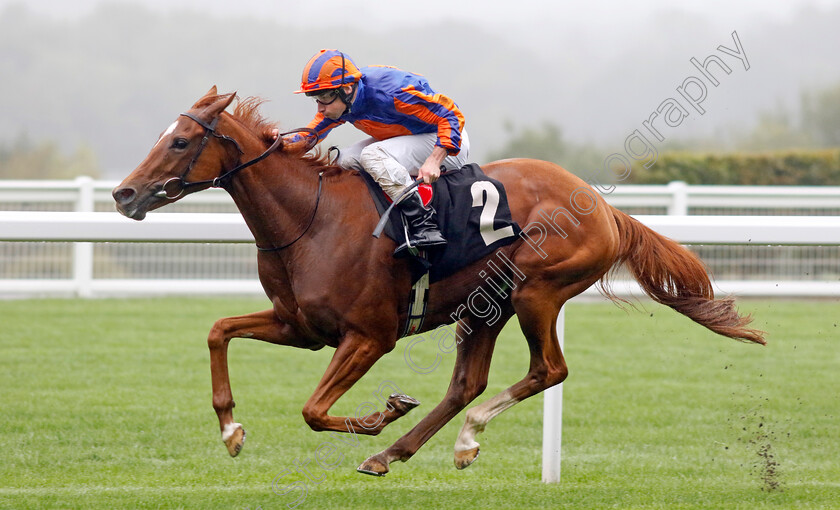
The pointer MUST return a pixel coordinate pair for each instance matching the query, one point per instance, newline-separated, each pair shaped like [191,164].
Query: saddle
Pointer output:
[472,213]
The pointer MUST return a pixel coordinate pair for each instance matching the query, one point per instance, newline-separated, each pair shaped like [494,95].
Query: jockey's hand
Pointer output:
[430,170]
[274,133]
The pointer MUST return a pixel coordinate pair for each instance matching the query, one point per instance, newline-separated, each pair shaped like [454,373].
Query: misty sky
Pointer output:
[589,13]
[530,21]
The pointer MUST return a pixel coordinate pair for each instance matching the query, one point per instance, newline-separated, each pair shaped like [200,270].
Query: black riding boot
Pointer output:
[423,230]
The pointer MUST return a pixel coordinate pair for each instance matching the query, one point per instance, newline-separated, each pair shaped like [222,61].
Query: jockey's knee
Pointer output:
[389,173]
[351,156]
[349,159]
[377,162]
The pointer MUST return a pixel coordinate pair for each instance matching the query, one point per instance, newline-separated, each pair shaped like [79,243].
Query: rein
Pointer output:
[222,180]
[311,219]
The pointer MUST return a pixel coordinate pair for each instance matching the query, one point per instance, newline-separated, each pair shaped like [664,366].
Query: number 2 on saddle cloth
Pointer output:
[472,213]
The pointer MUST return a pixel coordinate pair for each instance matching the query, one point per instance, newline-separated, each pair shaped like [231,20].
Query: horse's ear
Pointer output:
[210,93]
[220,105]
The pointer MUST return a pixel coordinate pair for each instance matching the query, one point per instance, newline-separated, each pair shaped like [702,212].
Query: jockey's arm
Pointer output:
[320,124]
[430,170]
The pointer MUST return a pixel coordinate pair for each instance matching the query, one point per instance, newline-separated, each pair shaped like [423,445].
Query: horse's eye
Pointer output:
[180,143]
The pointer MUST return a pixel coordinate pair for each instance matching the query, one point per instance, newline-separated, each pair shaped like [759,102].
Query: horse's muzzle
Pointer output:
[126,201]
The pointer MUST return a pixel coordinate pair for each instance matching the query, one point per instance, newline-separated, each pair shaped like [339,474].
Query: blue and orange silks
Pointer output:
[390,102]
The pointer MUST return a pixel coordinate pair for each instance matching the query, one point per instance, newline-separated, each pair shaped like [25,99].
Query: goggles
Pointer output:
[326,98]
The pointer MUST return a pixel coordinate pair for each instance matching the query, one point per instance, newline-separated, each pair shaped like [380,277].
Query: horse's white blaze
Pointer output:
[230,429]
[168,131]
[479,416]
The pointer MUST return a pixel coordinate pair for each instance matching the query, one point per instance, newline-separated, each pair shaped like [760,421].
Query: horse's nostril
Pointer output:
[124,195]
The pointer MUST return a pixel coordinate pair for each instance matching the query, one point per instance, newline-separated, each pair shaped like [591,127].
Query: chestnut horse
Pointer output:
[331,283]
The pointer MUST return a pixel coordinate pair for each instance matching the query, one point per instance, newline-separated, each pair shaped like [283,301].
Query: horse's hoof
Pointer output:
[403,403]
[465,458]
[234,438]
[373,466]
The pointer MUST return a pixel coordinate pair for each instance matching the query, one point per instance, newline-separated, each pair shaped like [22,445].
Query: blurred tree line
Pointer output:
[546,142]
[813,167]
[818,125]
[24,159]
[779,150]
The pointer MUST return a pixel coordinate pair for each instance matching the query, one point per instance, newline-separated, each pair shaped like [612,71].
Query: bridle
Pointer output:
[181,184]
[224,178]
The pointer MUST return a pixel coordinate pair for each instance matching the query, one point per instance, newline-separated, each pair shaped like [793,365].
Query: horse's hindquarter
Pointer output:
[567,226]
[569,237]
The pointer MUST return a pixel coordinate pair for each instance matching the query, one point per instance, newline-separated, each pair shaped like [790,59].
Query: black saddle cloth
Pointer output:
[472,213]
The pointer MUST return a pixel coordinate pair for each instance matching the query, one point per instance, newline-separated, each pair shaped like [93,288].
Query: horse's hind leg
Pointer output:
[469,378]
[537,308]
[263,326]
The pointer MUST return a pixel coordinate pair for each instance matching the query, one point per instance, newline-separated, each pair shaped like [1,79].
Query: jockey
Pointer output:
[413,130]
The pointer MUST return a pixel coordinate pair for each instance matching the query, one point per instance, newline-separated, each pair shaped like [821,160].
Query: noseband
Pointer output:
[175,187]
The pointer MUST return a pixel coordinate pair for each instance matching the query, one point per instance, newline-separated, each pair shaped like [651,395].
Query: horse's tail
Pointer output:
[674,276]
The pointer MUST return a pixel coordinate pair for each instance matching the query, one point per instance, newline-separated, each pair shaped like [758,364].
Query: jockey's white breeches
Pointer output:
[394,162]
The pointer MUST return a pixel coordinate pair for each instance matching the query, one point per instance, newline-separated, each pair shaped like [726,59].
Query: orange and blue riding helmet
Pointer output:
[328,69]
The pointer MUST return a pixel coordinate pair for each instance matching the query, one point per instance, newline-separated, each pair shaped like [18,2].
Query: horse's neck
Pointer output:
[276,198]
[279,197]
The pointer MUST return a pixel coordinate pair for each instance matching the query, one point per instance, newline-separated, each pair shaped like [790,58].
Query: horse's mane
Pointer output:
[246,112]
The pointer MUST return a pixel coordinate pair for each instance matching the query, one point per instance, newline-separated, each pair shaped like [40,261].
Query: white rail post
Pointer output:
[83,252]
[553,419]
[679,198]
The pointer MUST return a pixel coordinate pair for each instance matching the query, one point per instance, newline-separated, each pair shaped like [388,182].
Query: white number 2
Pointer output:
[488,212]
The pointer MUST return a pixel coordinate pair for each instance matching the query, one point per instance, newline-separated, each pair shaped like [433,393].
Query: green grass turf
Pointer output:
[106,404]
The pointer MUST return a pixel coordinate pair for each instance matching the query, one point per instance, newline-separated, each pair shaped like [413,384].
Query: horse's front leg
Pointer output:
[353,357]
[263,326]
